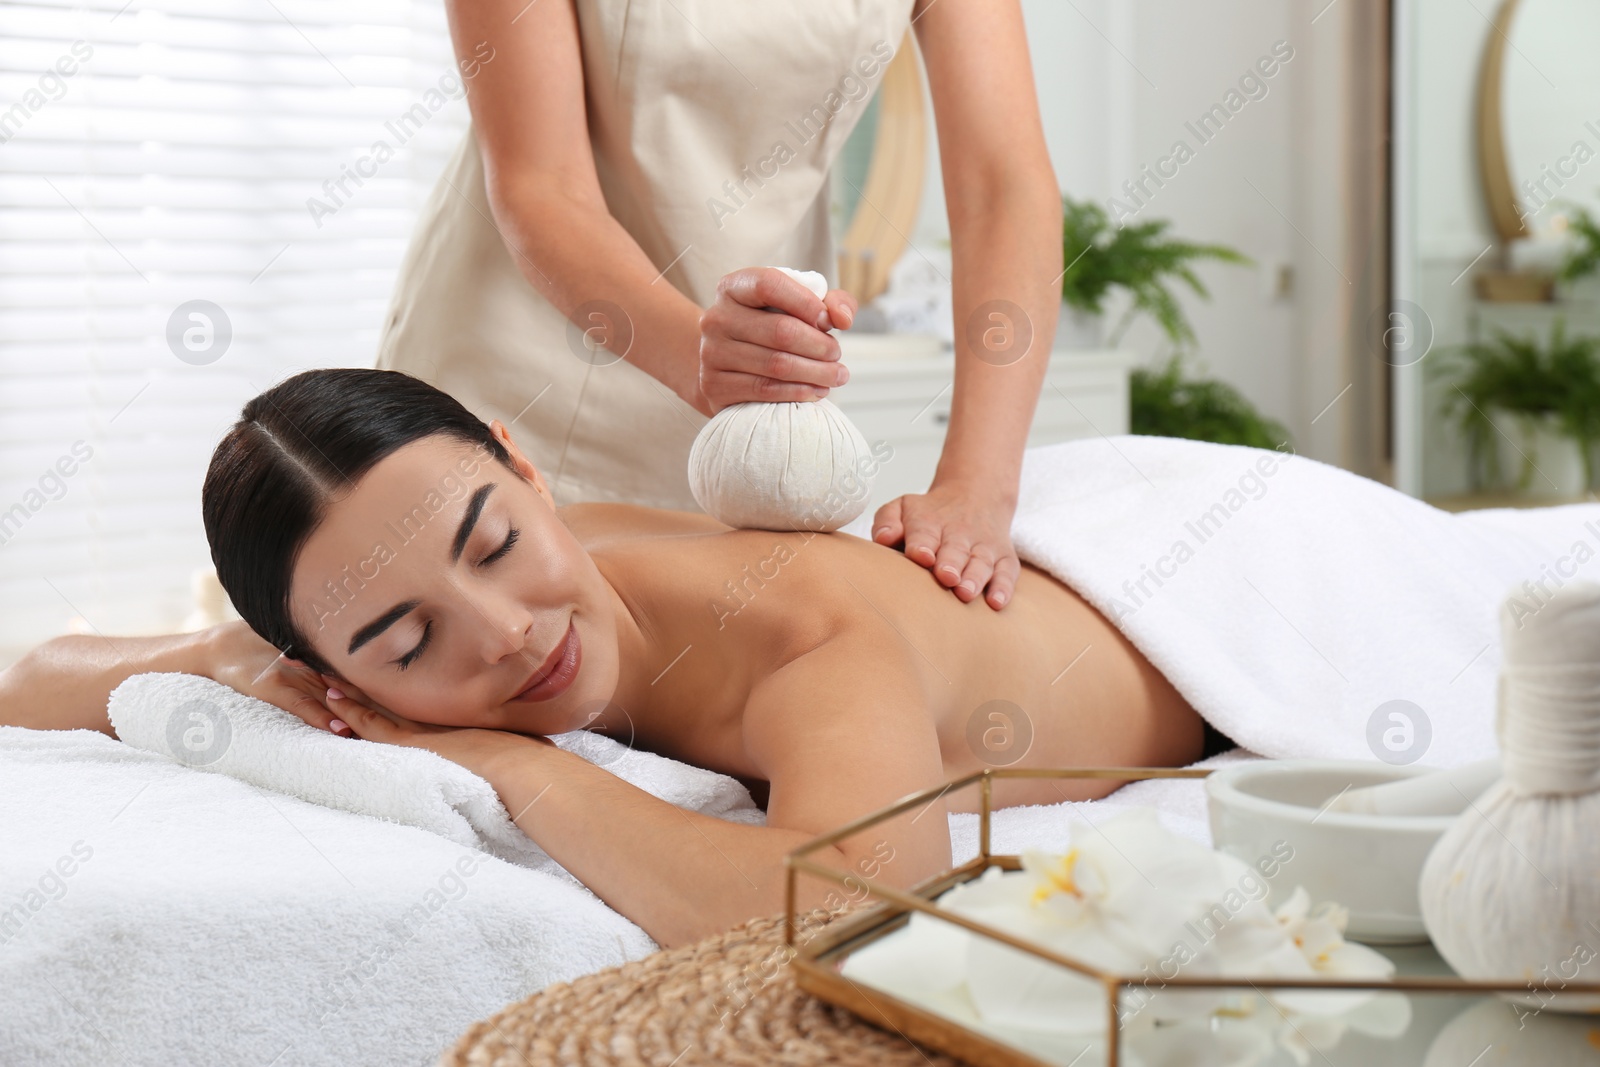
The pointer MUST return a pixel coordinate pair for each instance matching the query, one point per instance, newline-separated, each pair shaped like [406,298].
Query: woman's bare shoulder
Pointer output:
[595,524]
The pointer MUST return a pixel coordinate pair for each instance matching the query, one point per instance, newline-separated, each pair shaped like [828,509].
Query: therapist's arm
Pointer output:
[531,121]
[1004,209]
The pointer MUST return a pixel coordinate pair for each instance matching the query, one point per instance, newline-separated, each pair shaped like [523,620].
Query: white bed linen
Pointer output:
[215,921]
[212,921]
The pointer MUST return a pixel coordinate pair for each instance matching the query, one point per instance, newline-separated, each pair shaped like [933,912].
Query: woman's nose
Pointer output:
[506,634]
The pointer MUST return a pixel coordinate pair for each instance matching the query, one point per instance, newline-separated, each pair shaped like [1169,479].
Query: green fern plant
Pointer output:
[1165,403]
[1527,379]
[1138,257]
[1584,259]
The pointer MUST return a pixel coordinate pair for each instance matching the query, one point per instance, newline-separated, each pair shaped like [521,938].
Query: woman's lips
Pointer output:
[556,673]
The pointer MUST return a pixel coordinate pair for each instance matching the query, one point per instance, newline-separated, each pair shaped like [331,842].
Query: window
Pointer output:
[200,197]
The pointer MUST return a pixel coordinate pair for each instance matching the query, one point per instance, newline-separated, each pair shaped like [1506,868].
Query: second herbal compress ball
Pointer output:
[1511,891]
[799,465]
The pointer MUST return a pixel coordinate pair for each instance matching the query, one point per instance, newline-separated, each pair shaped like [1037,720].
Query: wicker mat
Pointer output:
[729,999]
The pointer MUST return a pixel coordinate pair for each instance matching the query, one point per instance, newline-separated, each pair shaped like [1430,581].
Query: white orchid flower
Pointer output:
[1132,898]
[1119,899]
[1320,952]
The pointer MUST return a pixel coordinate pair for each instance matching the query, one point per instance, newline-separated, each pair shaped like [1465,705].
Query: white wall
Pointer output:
[1117,82]
[1548,95]
[1451,226]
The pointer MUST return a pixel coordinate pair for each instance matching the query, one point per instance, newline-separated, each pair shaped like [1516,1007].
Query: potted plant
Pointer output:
[1579,276]
[1138,257]
[1165,403]
[1527,406]
[1141,258]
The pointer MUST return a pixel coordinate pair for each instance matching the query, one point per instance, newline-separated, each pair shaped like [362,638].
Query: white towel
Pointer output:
[1290,601]
[208,726]
[1180,804]
[154,915]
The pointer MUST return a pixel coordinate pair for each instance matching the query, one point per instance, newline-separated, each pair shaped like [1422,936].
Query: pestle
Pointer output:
[1442,792]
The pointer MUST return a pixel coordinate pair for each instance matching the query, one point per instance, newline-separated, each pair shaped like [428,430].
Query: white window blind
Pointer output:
[162,153]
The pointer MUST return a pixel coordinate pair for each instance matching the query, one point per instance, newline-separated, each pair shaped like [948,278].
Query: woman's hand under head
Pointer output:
[748,353]
[478,750]
[443,589]
[241,659]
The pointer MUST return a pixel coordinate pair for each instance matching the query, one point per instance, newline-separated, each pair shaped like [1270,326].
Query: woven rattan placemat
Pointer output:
[729,999]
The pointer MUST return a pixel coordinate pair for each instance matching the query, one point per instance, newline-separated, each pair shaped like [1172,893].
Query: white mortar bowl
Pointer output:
[1370,864]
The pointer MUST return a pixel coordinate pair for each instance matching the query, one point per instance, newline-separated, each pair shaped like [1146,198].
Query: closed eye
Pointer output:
[511,539]
[411,657]
[427,630]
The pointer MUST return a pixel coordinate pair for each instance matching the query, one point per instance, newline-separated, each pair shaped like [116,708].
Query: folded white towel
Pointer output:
[212,727]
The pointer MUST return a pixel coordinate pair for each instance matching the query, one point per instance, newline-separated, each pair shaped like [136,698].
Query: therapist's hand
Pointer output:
[960,531]
[748,353]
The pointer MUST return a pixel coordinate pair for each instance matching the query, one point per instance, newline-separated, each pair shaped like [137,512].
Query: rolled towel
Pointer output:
[798,465]
[212,727]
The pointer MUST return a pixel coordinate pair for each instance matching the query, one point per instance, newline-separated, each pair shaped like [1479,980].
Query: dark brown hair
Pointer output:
[296,447]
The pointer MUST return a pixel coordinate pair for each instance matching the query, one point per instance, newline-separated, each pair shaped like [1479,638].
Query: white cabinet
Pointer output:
[906,402]
[1525,320]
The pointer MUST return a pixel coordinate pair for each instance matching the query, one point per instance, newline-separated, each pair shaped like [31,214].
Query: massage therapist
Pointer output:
[631,168]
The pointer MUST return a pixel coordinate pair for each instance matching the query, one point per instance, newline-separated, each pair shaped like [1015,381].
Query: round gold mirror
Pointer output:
[1495,171]
[1537,131]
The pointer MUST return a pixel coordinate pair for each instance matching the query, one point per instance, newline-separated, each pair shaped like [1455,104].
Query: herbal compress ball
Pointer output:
[798,465]
[1511,891]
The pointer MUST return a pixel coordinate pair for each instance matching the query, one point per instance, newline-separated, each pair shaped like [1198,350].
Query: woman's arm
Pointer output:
[1005,236]
[531,121]
[65,683]
[839,731]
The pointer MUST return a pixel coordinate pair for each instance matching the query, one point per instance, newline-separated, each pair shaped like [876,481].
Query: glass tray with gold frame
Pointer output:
[1464,1015]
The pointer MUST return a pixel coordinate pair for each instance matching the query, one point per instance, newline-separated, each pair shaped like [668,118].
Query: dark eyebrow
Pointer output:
[380,624]
[469,520]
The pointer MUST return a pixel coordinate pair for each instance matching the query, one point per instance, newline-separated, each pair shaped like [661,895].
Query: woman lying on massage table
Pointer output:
[412,563]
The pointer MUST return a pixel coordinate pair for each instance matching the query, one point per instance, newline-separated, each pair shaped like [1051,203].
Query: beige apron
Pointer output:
[713,125]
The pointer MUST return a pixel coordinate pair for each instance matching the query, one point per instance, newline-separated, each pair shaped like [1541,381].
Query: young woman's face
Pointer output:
[443,584]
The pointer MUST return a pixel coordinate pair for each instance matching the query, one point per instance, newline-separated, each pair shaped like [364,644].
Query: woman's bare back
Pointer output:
[1046,682]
